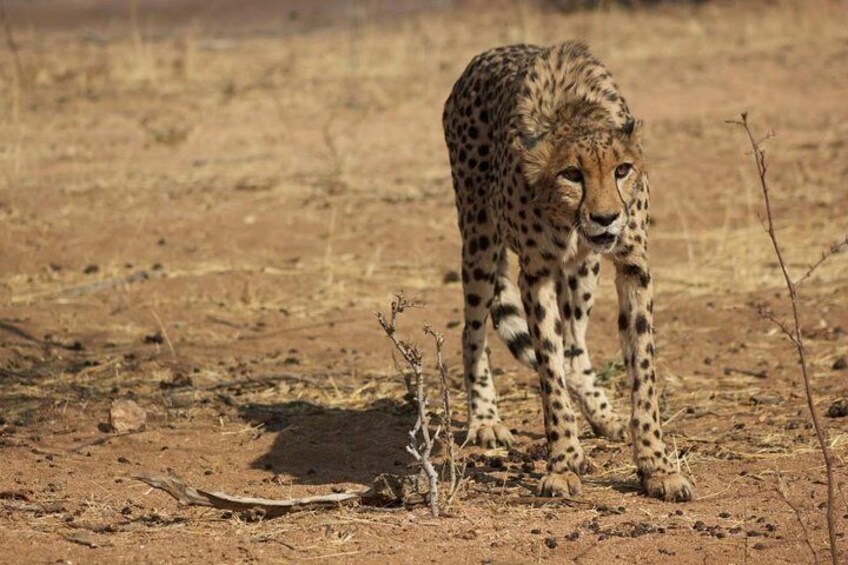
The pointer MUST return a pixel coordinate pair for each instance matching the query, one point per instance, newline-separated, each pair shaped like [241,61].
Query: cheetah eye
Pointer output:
[623,170]
[572,174]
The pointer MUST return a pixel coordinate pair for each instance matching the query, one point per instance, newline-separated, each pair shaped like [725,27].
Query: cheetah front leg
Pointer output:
[636,330]
[576,294]
[565,456]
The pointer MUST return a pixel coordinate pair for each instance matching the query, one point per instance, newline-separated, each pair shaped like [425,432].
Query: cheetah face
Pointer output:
[587,182]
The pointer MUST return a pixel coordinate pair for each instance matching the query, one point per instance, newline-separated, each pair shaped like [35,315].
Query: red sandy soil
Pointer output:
[201,208]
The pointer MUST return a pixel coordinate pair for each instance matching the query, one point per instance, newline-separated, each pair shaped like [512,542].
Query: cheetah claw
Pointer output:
[490,435]
[559,484]
[671,487]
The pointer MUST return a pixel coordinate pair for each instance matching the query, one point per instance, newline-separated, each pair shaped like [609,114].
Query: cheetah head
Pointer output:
[585,178]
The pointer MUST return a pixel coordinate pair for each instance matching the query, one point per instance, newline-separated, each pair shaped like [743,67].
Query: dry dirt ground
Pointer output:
[203,205]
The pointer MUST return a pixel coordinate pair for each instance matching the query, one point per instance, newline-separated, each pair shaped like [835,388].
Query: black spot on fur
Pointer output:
[637,271]
[641,324]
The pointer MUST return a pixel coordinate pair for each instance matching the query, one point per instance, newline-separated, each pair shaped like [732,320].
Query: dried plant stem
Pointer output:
[422,455]
[784,495]
[447,413]
[422,451]
[164,333]
[794,332]
[837,247]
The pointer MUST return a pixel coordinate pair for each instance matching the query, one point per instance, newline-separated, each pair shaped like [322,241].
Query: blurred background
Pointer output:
[202,203]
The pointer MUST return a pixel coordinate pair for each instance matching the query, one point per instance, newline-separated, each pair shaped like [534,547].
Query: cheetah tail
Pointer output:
[508,319]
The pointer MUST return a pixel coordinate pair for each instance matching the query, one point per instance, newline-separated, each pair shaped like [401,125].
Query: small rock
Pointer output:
[127,416]
[252,515]
[840,364]
[838,409]
[178,380]
[155,338]
[766,400]
[91,269]
[551,542]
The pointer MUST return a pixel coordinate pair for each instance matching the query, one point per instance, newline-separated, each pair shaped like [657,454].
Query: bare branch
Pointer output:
[764,312]
[783,491]
[420,451]
[834,249]
[447,413]
[795,334]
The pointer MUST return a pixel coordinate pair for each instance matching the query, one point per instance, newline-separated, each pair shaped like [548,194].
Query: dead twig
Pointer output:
[447,412]
[837,247]
[784,494]
[794,332]
[191,496]
[411,353]
[164,333]
[386,490]
[746,372]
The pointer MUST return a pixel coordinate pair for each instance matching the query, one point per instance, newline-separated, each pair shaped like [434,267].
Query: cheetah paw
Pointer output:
[559,484]
[671,487]
[612,430]
[490,435]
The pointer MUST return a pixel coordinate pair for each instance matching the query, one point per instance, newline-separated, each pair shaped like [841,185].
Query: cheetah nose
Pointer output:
[604,219]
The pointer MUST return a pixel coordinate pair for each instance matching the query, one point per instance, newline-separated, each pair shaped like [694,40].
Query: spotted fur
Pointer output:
[546,161]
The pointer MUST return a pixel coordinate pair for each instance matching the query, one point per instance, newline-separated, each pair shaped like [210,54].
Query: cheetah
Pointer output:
[546,161]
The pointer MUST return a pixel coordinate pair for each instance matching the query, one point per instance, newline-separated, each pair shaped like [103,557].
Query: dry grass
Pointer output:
[272,169]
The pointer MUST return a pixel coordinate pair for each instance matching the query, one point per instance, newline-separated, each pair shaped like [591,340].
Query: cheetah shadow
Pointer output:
[320,445]
[323,445]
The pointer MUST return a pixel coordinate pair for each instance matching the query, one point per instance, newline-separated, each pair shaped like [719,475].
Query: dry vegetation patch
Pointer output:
[201,214]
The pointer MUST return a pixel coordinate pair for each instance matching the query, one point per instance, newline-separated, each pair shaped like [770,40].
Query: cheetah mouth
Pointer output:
[603,240]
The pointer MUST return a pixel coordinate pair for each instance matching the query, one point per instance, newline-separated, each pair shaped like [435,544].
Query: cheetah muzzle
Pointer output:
[546,161]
